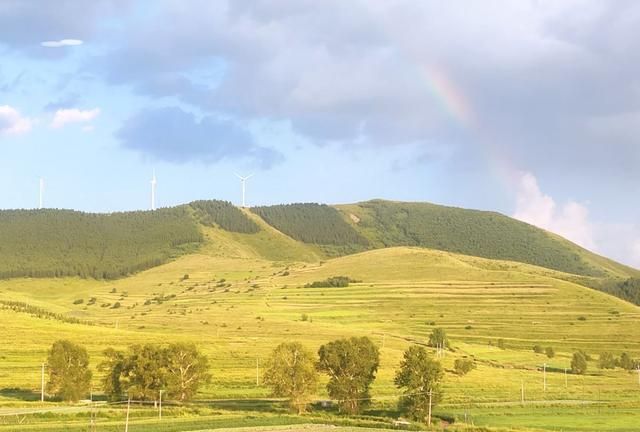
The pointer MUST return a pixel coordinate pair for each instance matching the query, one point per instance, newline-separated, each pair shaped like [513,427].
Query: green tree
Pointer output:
[438,338]
[579,363]
[291,373]
[187,369]
[69,374]
[607,361]
[626,362]
[351,365]
[112,368]
[144,372]
[550,352]
[420,377]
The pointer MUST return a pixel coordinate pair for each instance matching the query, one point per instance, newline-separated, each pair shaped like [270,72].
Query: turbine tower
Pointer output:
[154,183]
[243,180]
[41,193]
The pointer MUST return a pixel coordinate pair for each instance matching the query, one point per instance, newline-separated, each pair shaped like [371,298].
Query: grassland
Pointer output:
[242,294]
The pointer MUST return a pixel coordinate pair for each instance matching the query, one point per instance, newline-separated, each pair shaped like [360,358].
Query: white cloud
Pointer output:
[61,43]
[635,254]
[620,241]
[12,122]
[570,220]
[73,115]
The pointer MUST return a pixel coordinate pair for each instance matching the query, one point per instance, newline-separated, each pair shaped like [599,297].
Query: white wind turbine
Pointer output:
[243,180]
[154,184]
[41,193]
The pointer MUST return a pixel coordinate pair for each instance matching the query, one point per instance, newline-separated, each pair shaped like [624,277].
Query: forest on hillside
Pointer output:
[470,232]
[225,215]
[312,223]
[628,289]
[56,243]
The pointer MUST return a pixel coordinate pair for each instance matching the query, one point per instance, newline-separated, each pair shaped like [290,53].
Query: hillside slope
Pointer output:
[56,243]
[478,233]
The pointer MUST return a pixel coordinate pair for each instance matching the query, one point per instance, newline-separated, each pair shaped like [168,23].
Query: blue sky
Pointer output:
[530,108]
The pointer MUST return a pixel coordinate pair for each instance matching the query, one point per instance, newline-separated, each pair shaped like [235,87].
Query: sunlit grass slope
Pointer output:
[238,308]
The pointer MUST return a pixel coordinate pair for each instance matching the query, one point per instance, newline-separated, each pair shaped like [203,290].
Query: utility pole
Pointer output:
[126,423]
[544,376]
[522,392]
[42,384]
[92,421]
[566,383]
[638,374]
[429,417]
[160,406]
[257,372]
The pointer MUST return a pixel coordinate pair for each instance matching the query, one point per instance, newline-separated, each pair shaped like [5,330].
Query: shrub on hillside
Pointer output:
[550,352]
[463,366]
[332,282]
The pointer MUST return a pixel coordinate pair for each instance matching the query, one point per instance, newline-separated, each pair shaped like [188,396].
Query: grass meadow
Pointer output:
[242,295]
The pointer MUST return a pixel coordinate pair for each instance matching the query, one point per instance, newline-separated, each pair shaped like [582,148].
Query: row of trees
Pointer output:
[351,365]
[141,373]
[608,360]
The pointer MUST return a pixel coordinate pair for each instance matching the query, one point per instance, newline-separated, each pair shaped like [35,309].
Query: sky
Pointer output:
[526,107]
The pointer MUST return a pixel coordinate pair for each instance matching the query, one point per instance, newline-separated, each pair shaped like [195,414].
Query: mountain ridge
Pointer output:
[61,243]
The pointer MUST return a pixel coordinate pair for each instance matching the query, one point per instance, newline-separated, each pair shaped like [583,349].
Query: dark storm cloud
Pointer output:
[174,135]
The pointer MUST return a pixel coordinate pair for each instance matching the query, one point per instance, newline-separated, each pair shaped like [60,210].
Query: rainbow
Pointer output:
[459,108]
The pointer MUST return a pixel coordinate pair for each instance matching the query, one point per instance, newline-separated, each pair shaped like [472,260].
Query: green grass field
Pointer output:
[245,294]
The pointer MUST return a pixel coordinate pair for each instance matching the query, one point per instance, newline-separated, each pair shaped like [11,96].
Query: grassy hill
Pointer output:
[59,243]
[472,232]
[403,295]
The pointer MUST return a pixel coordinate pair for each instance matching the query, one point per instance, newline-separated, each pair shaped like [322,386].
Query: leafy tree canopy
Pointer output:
[291,373]
[69,374]
[351,365]
[420,378]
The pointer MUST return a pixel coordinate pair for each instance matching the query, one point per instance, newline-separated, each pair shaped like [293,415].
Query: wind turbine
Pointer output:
[243,180]
[154,183]
[41,193]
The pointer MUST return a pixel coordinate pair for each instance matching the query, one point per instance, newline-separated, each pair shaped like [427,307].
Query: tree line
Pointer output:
[312,223]
[628,289]
[141,373]
[178,370]
[61,243]
[351,365]
[225,215]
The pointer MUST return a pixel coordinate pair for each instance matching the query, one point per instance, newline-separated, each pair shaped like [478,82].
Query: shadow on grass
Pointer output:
[259,405]
[20,394]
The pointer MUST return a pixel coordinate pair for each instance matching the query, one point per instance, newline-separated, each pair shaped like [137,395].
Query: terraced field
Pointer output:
[238,306]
